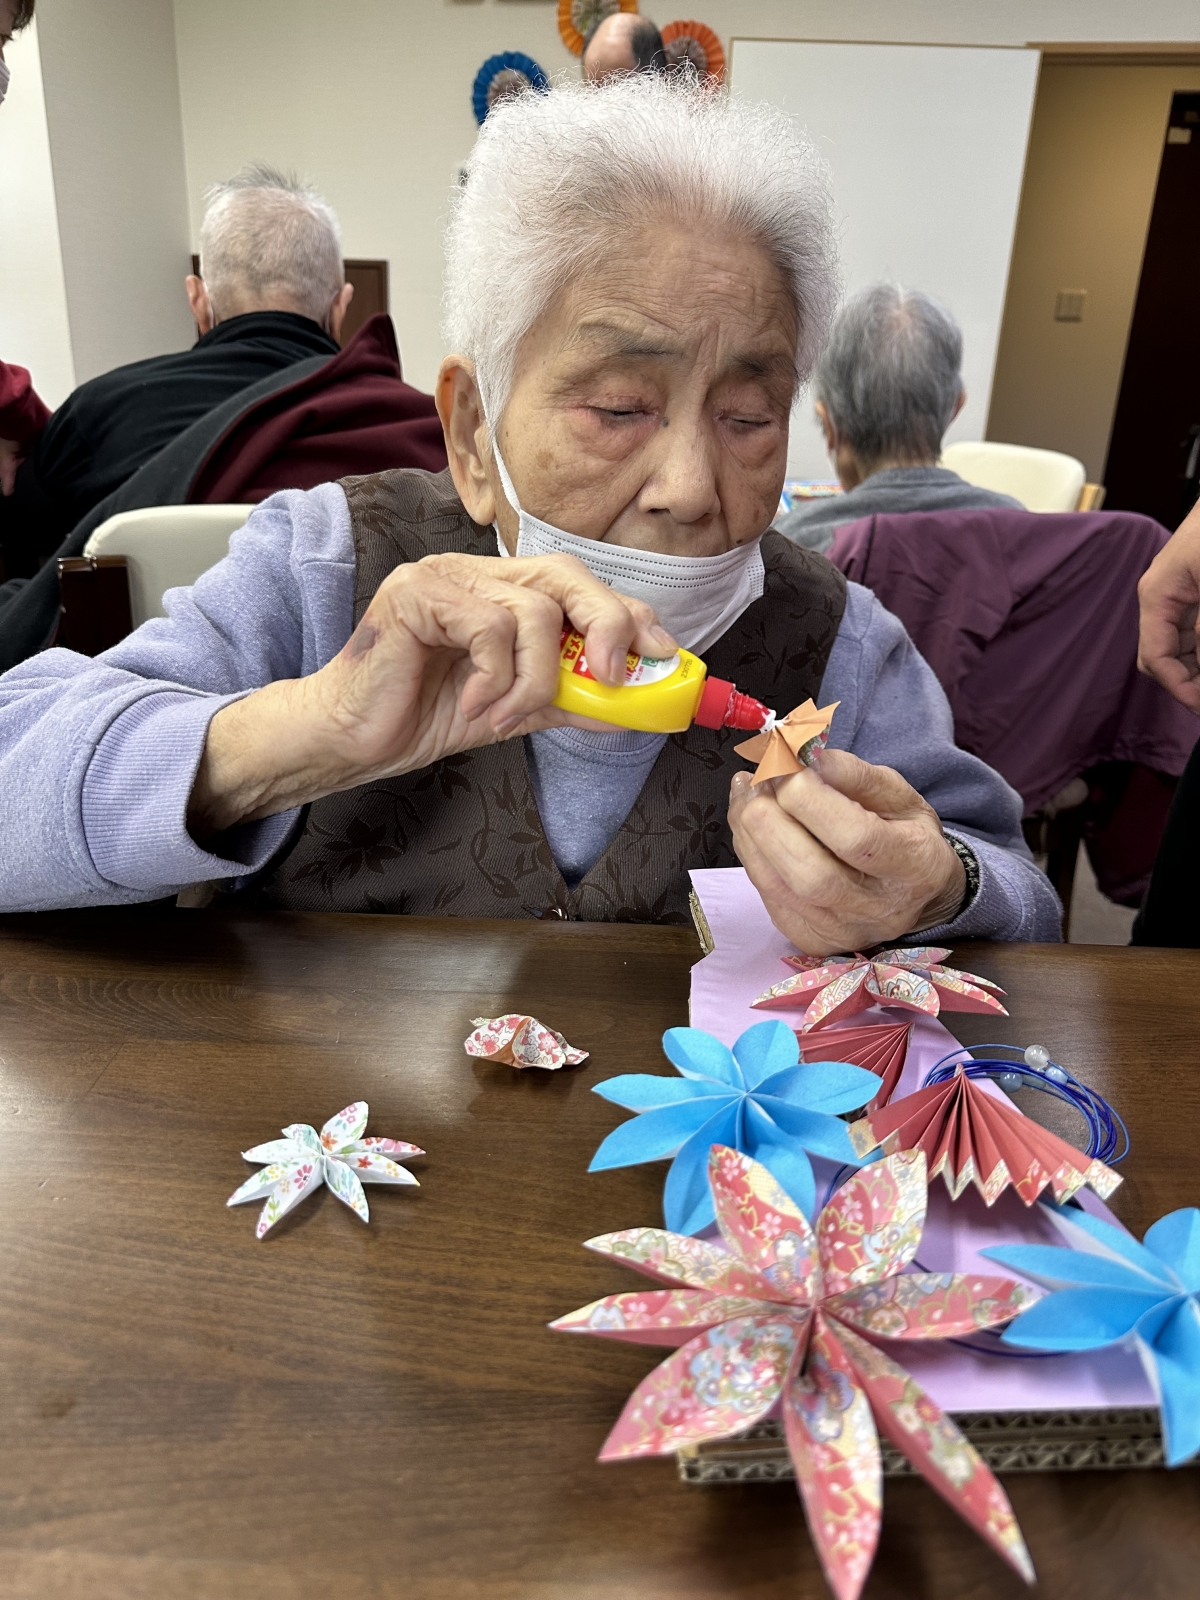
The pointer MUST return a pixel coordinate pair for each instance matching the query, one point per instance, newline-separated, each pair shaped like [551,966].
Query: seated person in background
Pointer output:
[22,414]
[887,387]
[356,704]
[621,43]
[271,293]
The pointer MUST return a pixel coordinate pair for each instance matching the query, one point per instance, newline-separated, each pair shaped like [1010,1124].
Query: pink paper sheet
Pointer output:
[746,960]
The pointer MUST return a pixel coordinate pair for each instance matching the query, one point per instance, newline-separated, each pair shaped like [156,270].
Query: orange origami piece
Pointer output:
[882,1048]
[521,1042]
[576,19]
[970,1136]
[789,745]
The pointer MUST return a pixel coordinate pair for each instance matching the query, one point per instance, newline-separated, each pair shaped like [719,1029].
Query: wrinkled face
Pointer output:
[651,400]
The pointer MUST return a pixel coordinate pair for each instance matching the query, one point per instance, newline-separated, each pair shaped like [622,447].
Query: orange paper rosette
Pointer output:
[577,17]
[694,42]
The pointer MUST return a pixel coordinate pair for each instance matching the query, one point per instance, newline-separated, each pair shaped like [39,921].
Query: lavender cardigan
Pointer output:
[97,757]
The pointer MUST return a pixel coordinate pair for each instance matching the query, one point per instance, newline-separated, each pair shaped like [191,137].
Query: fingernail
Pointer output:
[663,640]
[503,729]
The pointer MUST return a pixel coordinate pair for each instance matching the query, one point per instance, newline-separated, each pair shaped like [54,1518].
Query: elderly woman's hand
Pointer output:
[453,652]
[847,858]
[1169,595]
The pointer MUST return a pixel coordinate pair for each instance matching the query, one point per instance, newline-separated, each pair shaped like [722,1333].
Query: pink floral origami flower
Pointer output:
[521,1042]
[845,985]
[777,1316]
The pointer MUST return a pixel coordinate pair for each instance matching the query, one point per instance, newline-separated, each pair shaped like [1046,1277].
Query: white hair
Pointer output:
[561,177]
[269,241]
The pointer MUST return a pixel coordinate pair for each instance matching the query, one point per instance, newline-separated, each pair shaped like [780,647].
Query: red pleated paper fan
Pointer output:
[881,1049]
[694,42]
[970,1136]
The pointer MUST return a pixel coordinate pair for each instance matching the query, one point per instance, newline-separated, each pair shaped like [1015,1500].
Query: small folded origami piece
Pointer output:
[844,985]
[882,1048]
[1112,1290]
[757,1097]
[338,1156]
[789,745]
[970,1136]
[521,1042]
[776,1317]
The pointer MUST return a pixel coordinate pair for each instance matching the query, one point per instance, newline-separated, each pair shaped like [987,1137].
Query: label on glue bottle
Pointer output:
[639,670]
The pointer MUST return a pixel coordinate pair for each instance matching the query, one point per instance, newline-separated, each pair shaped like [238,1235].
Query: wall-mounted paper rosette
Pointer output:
[505,74]
[576,19]
[692,41]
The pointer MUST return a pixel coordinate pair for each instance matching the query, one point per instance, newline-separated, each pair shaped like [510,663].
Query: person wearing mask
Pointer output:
[622,43]
[271,292]
[23,414]
[356,705]
[887,387]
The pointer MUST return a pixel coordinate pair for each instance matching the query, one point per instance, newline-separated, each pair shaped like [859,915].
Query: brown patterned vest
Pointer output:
[463,838]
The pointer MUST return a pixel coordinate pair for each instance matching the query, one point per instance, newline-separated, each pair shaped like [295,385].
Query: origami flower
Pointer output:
[848,984]
[881,1047]
[777,1316]
[757,1097]
[522,1042]
[338,1156]
[1113,1290]
[788,744]
[970,1136]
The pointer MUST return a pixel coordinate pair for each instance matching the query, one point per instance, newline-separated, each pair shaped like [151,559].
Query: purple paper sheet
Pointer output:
[744,963]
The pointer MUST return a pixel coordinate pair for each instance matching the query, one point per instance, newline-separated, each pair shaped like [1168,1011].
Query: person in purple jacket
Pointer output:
[354,710]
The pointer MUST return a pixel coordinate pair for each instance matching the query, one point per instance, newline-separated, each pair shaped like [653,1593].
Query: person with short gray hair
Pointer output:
[270,293]
[887,387]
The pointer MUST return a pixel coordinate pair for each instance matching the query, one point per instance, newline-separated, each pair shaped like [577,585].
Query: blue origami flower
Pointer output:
[1111,1289]
[757,1098]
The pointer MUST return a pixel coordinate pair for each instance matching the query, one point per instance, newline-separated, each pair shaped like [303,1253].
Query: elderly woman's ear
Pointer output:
[461,410]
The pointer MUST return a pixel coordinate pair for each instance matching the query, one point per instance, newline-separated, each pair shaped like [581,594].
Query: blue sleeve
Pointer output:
[98,757]
[893,713]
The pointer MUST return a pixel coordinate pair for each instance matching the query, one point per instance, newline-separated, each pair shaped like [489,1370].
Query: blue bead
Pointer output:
[1009,1081]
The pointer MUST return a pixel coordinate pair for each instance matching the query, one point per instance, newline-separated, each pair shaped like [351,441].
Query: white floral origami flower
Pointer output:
[338,1156]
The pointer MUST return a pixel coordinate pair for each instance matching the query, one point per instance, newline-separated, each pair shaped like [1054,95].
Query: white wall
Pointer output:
[116,141]
[34,328]
[371,98]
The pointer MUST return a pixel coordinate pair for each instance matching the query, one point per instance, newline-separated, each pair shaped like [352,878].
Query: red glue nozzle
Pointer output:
[723,706]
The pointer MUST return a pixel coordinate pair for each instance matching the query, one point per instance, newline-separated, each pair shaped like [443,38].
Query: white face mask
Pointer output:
[696,598]
[5,76]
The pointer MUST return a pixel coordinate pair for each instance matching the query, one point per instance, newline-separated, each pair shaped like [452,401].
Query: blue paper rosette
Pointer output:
[505,74]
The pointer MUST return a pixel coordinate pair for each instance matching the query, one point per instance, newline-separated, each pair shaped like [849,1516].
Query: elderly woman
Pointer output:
[887,387]
[353,710]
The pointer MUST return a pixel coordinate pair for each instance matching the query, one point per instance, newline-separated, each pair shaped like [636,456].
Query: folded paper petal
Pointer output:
[346,1127]
[871,1226]
[697,1054]
[760,1223]
[687,1198]
[1172,1363]
[880,1048]
[660,1316]
[1175,1240]
[391,1147]
[262,1182]
[789,1166]
[971,1136]
[656,1134]
[308,1138]
[643,1091]
[764,1050]
[1080,1319]
[1093,1236]
[830,1086]
[678,1259]
[341,1179]
[369,1166]
[296,1182]
[834,1448]
[823,1135]
[930,1305]
[1057,1268]
[939,1451]
[790,744]
[521,1041]
[716,1385]
[278,1150]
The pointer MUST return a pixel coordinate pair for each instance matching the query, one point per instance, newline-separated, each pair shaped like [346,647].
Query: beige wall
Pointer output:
[1090,177]
[111,86]
[371,98]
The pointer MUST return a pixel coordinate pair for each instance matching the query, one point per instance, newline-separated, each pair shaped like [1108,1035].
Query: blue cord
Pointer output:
[1108,1137]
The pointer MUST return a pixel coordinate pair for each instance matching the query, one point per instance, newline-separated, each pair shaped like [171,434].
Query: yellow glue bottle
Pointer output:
[658,696]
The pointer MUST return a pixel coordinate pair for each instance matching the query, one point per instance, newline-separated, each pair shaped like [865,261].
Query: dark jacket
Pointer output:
[109,427]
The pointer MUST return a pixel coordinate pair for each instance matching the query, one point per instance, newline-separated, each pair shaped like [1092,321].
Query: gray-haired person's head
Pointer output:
[890,378]
[269,241]
[561,181]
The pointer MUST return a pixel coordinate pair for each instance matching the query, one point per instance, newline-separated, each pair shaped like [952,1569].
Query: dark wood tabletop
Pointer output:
[381,1411]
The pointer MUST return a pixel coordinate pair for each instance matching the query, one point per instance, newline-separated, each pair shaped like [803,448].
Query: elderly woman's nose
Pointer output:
[684,482]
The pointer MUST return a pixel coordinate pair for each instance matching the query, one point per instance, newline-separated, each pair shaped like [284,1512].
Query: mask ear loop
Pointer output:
[510,494]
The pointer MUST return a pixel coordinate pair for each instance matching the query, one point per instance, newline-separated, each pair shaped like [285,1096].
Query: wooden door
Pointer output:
[370,280]
[1159,399]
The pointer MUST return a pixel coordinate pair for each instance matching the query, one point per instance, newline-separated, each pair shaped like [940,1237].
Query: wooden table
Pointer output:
[380,1411]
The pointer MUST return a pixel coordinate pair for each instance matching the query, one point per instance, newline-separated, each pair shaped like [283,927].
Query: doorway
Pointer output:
[1152,458]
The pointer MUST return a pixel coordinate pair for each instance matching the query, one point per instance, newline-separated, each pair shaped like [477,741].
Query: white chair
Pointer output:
[1042,480]
[165,547]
